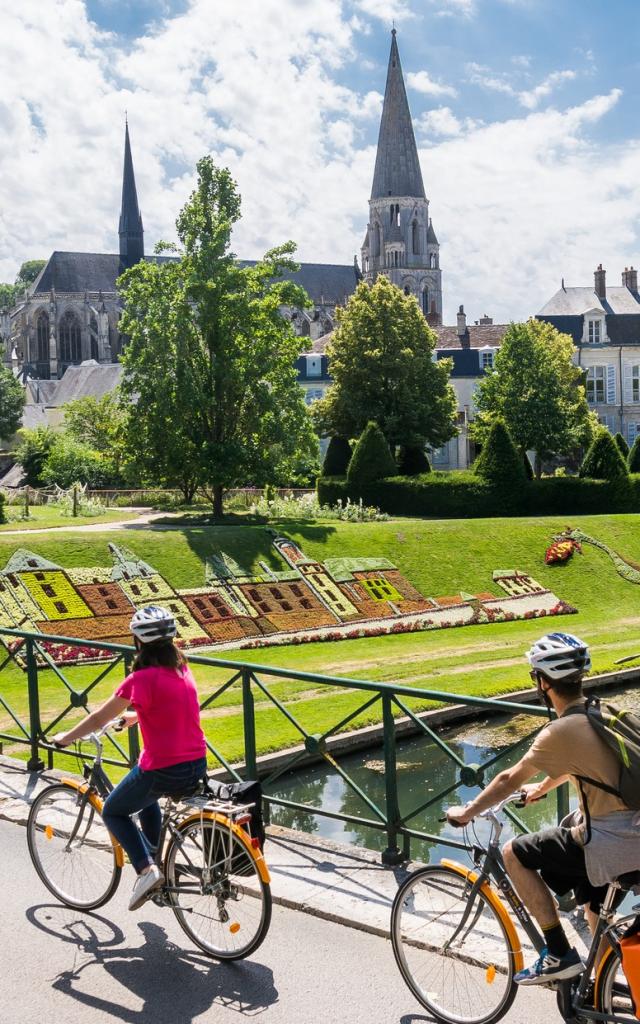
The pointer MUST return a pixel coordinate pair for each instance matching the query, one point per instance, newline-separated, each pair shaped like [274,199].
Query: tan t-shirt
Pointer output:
[571,746]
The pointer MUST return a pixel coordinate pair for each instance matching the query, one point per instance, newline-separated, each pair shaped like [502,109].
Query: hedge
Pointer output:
[462,495]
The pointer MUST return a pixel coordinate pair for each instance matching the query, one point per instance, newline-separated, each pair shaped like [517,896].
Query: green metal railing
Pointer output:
[254,679]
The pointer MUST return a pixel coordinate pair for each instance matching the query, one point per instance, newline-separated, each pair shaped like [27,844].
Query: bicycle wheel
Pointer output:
[613,995]
[81,872]
[216,891]
[463,977]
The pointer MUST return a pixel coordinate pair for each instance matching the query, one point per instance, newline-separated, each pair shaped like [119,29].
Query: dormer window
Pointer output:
[486,359]
[595,332]
[314,366]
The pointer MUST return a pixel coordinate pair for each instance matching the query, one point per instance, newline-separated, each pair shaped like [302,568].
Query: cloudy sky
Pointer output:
[525,113]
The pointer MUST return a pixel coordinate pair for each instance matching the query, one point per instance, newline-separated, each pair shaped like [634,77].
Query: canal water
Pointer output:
[423,772]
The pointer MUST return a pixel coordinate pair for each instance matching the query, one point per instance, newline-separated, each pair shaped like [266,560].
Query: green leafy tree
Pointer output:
[622,445]
[11,403]
[32,452]
[500,463]
[413,460]
[382,369]
[70,461]
[372,459]
[98,423]
[9,293]
[604,460]
[536,389]
[337,457]
[210,361]
[633,459]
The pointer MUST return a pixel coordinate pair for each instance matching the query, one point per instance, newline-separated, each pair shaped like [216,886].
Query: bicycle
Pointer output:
[457,947]
[215,878]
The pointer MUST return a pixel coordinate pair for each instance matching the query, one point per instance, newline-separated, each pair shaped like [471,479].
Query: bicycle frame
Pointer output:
[490,865]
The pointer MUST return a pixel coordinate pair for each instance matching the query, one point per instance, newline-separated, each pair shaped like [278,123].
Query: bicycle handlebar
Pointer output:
[517,798]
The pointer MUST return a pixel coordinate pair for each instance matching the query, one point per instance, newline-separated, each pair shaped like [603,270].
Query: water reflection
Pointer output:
[424,771]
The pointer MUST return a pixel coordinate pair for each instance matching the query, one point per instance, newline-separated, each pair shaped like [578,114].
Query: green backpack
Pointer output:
[620,730]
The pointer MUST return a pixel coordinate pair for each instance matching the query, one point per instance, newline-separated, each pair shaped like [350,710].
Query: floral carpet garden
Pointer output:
[441,557]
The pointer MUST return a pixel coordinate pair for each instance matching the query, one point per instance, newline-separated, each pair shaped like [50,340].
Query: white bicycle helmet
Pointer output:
[559,656]
[153,623]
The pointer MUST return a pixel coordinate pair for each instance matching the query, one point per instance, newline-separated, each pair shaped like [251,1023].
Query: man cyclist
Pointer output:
[583,854]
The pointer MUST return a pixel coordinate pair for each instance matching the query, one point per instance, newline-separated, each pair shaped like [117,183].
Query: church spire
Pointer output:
[397,171]
[130,226]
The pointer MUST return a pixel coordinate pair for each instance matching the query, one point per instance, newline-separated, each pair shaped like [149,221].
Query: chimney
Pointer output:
[485,321]
[600,283]
[462,322]
[630,279]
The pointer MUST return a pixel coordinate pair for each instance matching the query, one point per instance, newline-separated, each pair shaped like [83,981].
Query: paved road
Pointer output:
[59,965]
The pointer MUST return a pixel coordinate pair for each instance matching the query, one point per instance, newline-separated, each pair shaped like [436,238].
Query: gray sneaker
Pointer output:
[550,968]
[144,886]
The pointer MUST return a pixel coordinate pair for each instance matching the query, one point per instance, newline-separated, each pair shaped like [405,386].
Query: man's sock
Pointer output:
[556,939]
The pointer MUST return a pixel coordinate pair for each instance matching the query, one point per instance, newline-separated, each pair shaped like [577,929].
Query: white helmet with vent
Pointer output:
[559,656]
[153,623]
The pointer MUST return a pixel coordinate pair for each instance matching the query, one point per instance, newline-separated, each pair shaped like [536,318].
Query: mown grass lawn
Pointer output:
[439,557]
[44,517]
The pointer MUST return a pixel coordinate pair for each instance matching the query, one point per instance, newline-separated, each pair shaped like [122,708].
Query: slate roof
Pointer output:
[485,336]
[320,345]
[80,272]
[88,379]
[397,170]
[130,218]
[576,301]
[431,235]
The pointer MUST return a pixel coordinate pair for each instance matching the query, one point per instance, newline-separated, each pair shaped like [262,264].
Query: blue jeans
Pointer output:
[139,791]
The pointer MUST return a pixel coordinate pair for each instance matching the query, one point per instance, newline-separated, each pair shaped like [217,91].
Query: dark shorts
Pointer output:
[560,861]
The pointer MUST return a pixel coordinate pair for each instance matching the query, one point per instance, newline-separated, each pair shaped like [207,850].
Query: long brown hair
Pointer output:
[161,654]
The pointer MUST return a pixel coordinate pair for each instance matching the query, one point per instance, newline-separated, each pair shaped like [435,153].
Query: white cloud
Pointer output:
[479,74]
[454,8]
[516,204]
[421,81]
[532,200]
[386,10]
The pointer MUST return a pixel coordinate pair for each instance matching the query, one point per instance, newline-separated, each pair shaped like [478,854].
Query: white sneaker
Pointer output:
[145,884]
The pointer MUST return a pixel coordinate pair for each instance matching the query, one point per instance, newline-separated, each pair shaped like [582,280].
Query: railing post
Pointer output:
[392,854]
[133,734]
[562,800]
[249,723]
[35,762]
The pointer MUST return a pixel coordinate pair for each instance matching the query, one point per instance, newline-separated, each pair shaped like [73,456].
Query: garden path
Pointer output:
[144,520]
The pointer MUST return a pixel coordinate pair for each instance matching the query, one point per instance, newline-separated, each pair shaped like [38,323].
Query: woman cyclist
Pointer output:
[162,693]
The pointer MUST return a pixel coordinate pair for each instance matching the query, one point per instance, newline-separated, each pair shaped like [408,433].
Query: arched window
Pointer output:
[425,301]
[42,338]
[93,336]
[376,240]
[395,257]
[415,238]
[70,338]
[433,260]
[305,328]
[407,290]
[392,210]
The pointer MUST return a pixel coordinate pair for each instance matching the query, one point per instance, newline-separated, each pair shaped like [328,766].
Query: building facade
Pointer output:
[604,323]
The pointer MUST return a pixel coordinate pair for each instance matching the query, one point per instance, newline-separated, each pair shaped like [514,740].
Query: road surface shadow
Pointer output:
[173,985]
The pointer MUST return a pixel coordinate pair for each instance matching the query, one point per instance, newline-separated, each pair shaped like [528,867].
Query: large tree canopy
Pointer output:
[27,274]
[210,362]
[382,369]
[11,403]
[537,390]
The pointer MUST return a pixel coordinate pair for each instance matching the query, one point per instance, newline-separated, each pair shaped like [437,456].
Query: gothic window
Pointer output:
[425,301]
[376,240]
[42,338]
[415,238]
[70,338]
[93,335]
[395,257]
[406,290]
[305,327]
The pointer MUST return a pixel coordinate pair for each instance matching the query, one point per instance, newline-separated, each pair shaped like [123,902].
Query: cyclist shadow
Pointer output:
[174,986]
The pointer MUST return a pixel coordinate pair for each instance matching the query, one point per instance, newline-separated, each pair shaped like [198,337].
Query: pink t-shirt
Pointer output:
[166,702]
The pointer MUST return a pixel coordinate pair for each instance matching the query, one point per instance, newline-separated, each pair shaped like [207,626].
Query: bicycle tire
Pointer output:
[458,987]
[242,886]
[613,996]
[92,862]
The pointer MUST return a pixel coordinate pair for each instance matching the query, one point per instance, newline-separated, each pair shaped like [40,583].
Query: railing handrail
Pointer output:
[283,673]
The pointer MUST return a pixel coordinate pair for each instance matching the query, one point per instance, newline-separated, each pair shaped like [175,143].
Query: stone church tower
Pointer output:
[400,240]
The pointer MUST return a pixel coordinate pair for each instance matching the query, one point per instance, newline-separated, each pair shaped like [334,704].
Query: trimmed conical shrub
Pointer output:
[604,461]
[372,459]
[622,444]
[633,458]
[500,463]
[337,458]
[528,468]
[413,460]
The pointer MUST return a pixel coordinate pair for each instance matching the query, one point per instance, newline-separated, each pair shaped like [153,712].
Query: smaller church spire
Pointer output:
[130,227]
[397,171]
